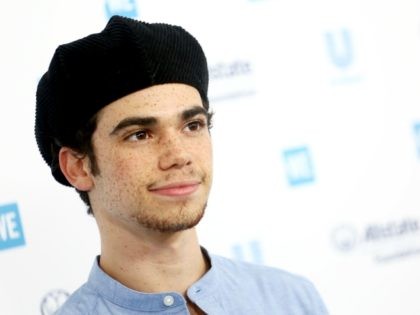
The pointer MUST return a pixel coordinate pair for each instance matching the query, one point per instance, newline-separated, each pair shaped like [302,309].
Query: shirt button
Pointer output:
[168,300]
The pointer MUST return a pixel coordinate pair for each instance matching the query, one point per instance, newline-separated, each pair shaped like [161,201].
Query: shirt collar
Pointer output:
[116,293]
[207,284]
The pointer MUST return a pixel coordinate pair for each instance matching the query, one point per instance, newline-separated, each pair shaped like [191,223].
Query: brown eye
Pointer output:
[139,135]
[195,125]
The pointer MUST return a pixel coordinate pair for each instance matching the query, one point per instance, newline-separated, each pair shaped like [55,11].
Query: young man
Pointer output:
[123,116]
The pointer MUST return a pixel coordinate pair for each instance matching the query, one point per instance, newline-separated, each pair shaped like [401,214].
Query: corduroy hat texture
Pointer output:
[90,73]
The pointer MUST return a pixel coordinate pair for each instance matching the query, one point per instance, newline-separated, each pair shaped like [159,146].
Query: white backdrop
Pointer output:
[316,145]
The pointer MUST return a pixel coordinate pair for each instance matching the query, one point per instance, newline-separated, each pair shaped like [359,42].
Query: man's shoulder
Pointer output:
[82,302]
[270,285]
[256,272]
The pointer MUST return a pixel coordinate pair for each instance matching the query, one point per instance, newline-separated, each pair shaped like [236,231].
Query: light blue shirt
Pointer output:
[228,288]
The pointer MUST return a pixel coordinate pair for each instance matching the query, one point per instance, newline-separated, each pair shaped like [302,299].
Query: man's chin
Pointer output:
[172,226]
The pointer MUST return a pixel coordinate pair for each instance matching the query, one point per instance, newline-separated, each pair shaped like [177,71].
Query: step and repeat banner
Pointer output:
[316,146]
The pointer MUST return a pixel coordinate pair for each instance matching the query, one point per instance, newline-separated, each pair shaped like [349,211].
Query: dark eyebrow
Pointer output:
[151,121]
[134,121]
[194,111]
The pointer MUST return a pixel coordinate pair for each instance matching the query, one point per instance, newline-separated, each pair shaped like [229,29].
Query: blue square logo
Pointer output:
[298,165]
[11,231]
[127,8]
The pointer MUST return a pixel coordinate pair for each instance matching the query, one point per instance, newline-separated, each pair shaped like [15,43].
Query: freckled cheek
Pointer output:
[131,167]
[204,153]
[124,164]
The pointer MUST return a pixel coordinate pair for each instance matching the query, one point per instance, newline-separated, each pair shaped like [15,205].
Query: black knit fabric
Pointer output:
[88,74]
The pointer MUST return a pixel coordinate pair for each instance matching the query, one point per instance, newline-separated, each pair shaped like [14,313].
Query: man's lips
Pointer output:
[176,189]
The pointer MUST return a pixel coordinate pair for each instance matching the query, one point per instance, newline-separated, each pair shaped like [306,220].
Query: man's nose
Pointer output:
[174,152]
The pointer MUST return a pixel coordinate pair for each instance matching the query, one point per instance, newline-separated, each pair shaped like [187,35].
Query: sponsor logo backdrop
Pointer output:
[316,146]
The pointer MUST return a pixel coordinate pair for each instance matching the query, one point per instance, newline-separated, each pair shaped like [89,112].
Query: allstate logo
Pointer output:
[126,8]
[344,238]
[11,230]
[298,165]
[340,48]
[386,241]
[52,301]
[231,79]
[226,70]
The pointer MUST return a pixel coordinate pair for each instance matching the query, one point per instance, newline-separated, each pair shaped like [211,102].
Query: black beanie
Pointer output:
[90,73]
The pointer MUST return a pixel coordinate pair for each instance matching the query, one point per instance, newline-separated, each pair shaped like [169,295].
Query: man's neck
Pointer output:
[154,262]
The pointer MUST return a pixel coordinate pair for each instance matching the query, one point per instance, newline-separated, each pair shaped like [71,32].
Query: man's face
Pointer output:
[154,156]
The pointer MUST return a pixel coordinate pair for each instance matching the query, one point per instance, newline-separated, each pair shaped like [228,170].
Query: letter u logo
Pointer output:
[340,48]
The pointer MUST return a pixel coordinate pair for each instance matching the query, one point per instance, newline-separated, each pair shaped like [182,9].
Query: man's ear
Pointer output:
[76,169]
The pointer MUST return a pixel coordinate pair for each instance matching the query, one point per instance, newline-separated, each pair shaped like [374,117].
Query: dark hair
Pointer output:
[84,139]
[83,146]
